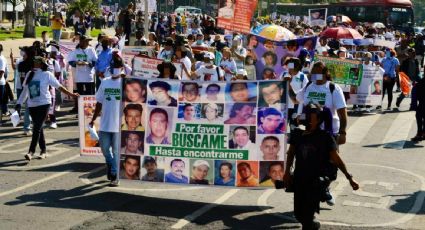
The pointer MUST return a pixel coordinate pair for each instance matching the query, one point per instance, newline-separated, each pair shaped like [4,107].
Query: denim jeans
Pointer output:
[57,35]
[38,114]
[108,140]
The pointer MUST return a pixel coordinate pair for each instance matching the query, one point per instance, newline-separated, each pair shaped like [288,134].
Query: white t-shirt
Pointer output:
[241,52]
[297,86]
[109,95]
[321,94]
[188,64]
[37,91]
[3,66]
[54,66]
[83,73]
[206,74]
[231,65]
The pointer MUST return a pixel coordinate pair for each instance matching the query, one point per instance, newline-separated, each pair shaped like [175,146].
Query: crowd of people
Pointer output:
[99,68]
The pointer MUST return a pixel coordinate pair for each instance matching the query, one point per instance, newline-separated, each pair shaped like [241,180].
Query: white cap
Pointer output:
[242,72]
[209,55]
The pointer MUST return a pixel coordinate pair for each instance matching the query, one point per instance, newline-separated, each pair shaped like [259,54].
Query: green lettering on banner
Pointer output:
[197,140]
[216,154]
[199,128]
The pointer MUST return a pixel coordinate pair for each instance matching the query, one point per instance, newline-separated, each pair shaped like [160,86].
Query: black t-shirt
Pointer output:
[312,154]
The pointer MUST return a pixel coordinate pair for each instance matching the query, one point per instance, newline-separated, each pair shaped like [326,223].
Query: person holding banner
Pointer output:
[181,56]
[108,99]
[391,66]
[228,64]
[104,60]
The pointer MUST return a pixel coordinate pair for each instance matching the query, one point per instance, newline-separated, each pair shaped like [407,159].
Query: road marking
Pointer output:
[360,128]
[23,168]
[189,218]
[416,207]
[85,179]
[42,180]
[399,130]
[262,204]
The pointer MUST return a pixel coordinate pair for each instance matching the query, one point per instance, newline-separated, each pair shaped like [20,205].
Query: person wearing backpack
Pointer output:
[314,150]
[297,82]
[36,90]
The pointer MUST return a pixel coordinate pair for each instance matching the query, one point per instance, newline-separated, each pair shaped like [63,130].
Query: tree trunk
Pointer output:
[29,30]
[14,15]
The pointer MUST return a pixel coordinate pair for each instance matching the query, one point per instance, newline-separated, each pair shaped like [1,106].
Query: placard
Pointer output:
[343,71]
[236,15]
[88,145]
[369,92]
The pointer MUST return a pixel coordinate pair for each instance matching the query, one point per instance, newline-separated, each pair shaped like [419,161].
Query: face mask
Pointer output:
[387,54]
[316,77]
[116,72]
[306,70]
[199,42]
[250,62]
[22,53]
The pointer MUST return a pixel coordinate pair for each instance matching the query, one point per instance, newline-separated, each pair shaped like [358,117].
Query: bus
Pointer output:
[393,13]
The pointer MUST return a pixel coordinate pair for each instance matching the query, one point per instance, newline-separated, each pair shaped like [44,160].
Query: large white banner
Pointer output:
[369,92]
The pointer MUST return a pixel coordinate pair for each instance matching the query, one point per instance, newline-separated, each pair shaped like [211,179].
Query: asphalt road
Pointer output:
[66,191]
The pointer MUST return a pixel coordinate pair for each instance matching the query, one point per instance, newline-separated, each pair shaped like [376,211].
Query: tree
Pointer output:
[29,30]
[84,6]
[14,4]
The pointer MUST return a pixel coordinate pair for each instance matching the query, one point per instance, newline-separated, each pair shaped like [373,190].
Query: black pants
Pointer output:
[306,204]
[388,87]
[420,118]
[38,115]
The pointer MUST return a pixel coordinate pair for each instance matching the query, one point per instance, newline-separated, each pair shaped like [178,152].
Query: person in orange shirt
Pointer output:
[57,25]
[246,176]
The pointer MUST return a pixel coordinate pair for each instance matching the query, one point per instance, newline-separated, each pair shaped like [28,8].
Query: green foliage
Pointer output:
[84,6]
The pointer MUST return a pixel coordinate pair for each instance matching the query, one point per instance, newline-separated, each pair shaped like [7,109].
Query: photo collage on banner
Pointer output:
[208,133]
[271,57]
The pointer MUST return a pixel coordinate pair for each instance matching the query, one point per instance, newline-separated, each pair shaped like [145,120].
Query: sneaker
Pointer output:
[378,107]
[43,154]
[28,132]
[389,108]
[53,125]
[114,182]
[28,156]
[330,199]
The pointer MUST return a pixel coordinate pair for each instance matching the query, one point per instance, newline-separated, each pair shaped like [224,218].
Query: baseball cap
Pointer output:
[242,72]
[201,162]
[209,55]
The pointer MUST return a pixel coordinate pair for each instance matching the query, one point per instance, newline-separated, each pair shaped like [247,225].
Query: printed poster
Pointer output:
[88,145]
[270,56]
[128,52]
[144,66]
[369,92]
[236,15]
[317,17]
[204,133]
[343,71]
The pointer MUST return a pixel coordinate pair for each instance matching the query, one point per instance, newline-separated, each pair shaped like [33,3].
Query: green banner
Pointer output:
[343,71]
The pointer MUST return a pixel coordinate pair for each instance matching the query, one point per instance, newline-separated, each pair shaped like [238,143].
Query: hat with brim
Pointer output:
[85,38]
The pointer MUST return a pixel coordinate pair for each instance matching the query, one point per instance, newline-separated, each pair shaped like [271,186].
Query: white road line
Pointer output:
[14,168]
[399,130]
[360,128]
[189,218]
[51,177]
[262,204]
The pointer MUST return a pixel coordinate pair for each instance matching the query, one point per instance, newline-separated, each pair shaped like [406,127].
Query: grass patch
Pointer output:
[18,33]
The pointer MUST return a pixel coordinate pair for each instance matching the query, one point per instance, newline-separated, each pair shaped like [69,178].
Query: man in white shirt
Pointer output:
[84,59]
[108,99]
[209,71]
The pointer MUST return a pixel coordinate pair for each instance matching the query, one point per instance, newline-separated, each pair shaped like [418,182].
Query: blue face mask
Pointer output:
[387,54]
[199,42]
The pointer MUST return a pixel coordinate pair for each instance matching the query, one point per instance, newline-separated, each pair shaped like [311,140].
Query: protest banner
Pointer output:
[67,47]
[128,52]
[343,71]
[271,55]
[236,15]
[89,146]
[187,131]
[144,66]
[369,92]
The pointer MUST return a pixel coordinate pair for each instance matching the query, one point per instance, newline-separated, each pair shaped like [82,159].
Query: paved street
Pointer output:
[67,191]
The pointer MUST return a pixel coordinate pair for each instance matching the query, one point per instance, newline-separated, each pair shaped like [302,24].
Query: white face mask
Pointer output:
[316,77]
[116,72]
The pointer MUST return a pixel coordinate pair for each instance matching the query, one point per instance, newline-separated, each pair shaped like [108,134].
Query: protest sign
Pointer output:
[128,52]
[89,146]
[188,127]
[271,55]
[369,92]
[343,71]
[317,17]
[144,66]
[236,15]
